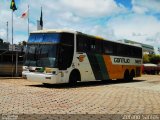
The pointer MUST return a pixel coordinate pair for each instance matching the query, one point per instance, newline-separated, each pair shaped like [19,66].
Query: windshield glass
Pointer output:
[44,37]
[42,55]
[41,50]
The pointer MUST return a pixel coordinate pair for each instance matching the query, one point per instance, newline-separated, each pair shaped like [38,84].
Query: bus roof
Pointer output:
[119,42]
[77,32]
[53,31]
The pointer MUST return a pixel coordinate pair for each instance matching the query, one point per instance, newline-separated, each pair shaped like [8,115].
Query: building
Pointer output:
[146,48]
[11,61]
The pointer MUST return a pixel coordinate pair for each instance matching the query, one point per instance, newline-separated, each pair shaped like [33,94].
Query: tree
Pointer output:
[155,59]
[1,40]
[23,43]
[151,58]
[146,58]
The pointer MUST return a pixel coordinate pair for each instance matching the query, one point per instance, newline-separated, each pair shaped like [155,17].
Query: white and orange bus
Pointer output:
[59,56]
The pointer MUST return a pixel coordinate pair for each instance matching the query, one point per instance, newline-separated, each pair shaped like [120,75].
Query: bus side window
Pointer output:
[138,52]
[83,43]
[128,51]
[107,48]
[132,52]
[67,38]
[66,51]
[98,46]
[88,44]
[122,50]
[80,43]
[92,45]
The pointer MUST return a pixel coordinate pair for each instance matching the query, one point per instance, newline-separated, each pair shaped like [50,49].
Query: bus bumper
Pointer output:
[40,77]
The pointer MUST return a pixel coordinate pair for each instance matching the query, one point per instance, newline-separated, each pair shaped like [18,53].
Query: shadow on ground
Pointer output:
[8,78]
[84,84]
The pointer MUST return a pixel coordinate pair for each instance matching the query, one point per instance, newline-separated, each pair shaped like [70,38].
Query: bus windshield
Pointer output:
[41,55]
[41,50]
[44,37]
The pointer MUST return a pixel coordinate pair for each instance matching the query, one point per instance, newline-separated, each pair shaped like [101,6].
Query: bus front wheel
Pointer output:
[74,77]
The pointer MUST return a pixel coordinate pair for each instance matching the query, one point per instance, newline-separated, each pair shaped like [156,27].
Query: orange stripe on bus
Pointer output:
[116,71]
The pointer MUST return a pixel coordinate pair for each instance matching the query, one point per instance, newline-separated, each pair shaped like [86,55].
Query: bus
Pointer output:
[63,56]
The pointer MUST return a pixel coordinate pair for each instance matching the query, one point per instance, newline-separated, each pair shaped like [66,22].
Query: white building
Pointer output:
[146,48]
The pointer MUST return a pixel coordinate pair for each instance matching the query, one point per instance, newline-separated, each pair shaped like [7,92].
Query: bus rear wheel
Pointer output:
[74,77]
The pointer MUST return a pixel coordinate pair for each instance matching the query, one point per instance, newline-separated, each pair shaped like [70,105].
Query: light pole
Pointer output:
[7,32]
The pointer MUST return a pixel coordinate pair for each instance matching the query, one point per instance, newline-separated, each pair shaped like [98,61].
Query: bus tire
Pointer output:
[74,77]
[126,75]
[132,75]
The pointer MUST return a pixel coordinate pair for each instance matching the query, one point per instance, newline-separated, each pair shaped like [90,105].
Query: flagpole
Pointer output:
[12,30]
[28,20]
[12,43]
[13,7]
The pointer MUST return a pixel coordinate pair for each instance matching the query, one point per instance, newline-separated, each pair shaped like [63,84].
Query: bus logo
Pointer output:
[81,58]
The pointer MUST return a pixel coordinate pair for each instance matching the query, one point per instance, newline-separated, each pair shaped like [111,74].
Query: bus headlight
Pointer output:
[25,68]
[50,70]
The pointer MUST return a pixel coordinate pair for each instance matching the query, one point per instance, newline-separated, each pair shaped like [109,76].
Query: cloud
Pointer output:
[3,33]
[136,27]
[101,31]
[142,24]
[139,9]
[104,18]
[141,6]
[92,8]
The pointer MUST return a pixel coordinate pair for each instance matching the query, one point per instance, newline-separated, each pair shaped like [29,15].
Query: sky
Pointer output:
[136,20]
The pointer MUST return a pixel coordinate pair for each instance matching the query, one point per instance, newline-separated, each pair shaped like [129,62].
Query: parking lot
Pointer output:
[141,96]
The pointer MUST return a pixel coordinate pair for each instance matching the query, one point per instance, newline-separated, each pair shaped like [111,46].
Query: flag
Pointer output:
[13,5]
[24,14]
[41,19]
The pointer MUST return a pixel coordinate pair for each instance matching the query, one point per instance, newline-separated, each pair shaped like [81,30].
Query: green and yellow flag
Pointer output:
[13,5]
